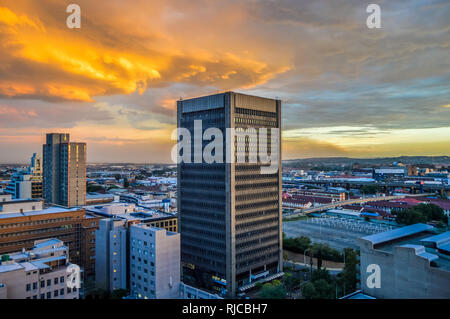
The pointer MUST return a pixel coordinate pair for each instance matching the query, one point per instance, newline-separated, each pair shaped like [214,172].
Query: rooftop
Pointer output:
[50,210]
[398,233]
[419,237]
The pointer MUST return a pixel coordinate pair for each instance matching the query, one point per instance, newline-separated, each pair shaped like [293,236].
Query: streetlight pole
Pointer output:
[304,255]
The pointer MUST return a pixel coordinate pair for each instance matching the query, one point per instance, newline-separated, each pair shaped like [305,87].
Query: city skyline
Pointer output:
[346,90]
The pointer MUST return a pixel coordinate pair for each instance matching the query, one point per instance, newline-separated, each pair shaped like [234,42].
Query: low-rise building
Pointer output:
[40,273]
[406,263]
[20,229]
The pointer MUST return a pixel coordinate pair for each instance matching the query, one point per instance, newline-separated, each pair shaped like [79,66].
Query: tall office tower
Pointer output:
[230,212]
[64,171]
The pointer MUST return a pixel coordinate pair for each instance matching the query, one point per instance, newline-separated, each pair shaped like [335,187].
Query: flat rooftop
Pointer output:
[50,210]
[418,237]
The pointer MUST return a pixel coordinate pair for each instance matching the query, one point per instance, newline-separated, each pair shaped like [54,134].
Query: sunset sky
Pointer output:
[347,90]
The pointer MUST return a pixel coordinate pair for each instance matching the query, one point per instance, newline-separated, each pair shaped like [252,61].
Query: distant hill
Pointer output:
[339,161]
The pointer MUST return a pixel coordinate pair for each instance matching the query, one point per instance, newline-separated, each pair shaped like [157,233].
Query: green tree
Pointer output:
[274,290]
[421,214]
[93,188]
[291,281]
[119,293]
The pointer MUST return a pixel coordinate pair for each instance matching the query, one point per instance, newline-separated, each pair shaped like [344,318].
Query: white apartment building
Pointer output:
[40,273]
[154,263]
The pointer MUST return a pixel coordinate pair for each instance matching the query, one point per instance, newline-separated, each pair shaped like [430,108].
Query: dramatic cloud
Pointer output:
[347,90]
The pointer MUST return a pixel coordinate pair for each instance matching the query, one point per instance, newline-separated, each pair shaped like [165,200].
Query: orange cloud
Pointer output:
[85,63]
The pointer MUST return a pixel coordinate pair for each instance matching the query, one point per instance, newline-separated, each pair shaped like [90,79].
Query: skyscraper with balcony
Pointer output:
[64,174]
[230,211]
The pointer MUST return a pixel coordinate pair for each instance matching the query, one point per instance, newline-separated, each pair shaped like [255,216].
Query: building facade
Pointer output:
[64,177]
[411,262]
[27,182]
[154,263]
[230,212]
[111,258]
[40,273]
[20,230]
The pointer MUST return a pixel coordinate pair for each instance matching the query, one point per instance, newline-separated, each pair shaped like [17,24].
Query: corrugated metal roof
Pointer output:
[445,247]
[397,233]
[438,239]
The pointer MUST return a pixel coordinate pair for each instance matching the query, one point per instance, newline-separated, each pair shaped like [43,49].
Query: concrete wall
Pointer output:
[404,274]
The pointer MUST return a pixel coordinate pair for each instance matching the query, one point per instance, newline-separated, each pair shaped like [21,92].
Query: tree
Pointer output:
[119,293]
[370,189]
[349,274]
[297,245]
[274,290]
[93,188]
[321,286]
[421,213]
[291,281]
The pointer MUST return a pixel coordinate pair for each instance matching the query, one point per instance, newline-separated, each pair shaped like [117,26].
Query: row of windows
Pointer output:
[212,196]
[257,232]
[36,231]
[203,213]
[246,197]
[56,293]
[257,205]
[256,251]
[203,185]
[196,229]
[251,243]
[201,175]
[239,187]
[255,176]
[244,226]
[239,120]
[217,242]
[201,204]
[36,222]
[207,263]
[56,281]
[240,110]
[257,260]
[209,223]
[258,213]
[204,252]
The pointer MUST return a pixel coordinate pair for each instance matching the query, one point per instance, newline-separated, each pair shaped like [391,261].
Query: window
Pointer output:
[34,285]
[42,283]
[55,293]
[49,295]
[28,287]
[69,290]
[61,292]
[49,282]
[35,297]
[61,279]
[56,280]
[42,296]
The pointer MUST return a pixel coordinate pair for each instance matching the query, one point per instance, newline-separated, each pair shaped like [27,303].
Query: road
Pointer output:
[299,212]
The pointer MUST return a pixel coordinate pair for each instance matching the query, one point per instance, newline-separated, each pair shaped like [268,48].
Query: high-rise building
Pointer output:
[64,171]
[230,211]
[26,182]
